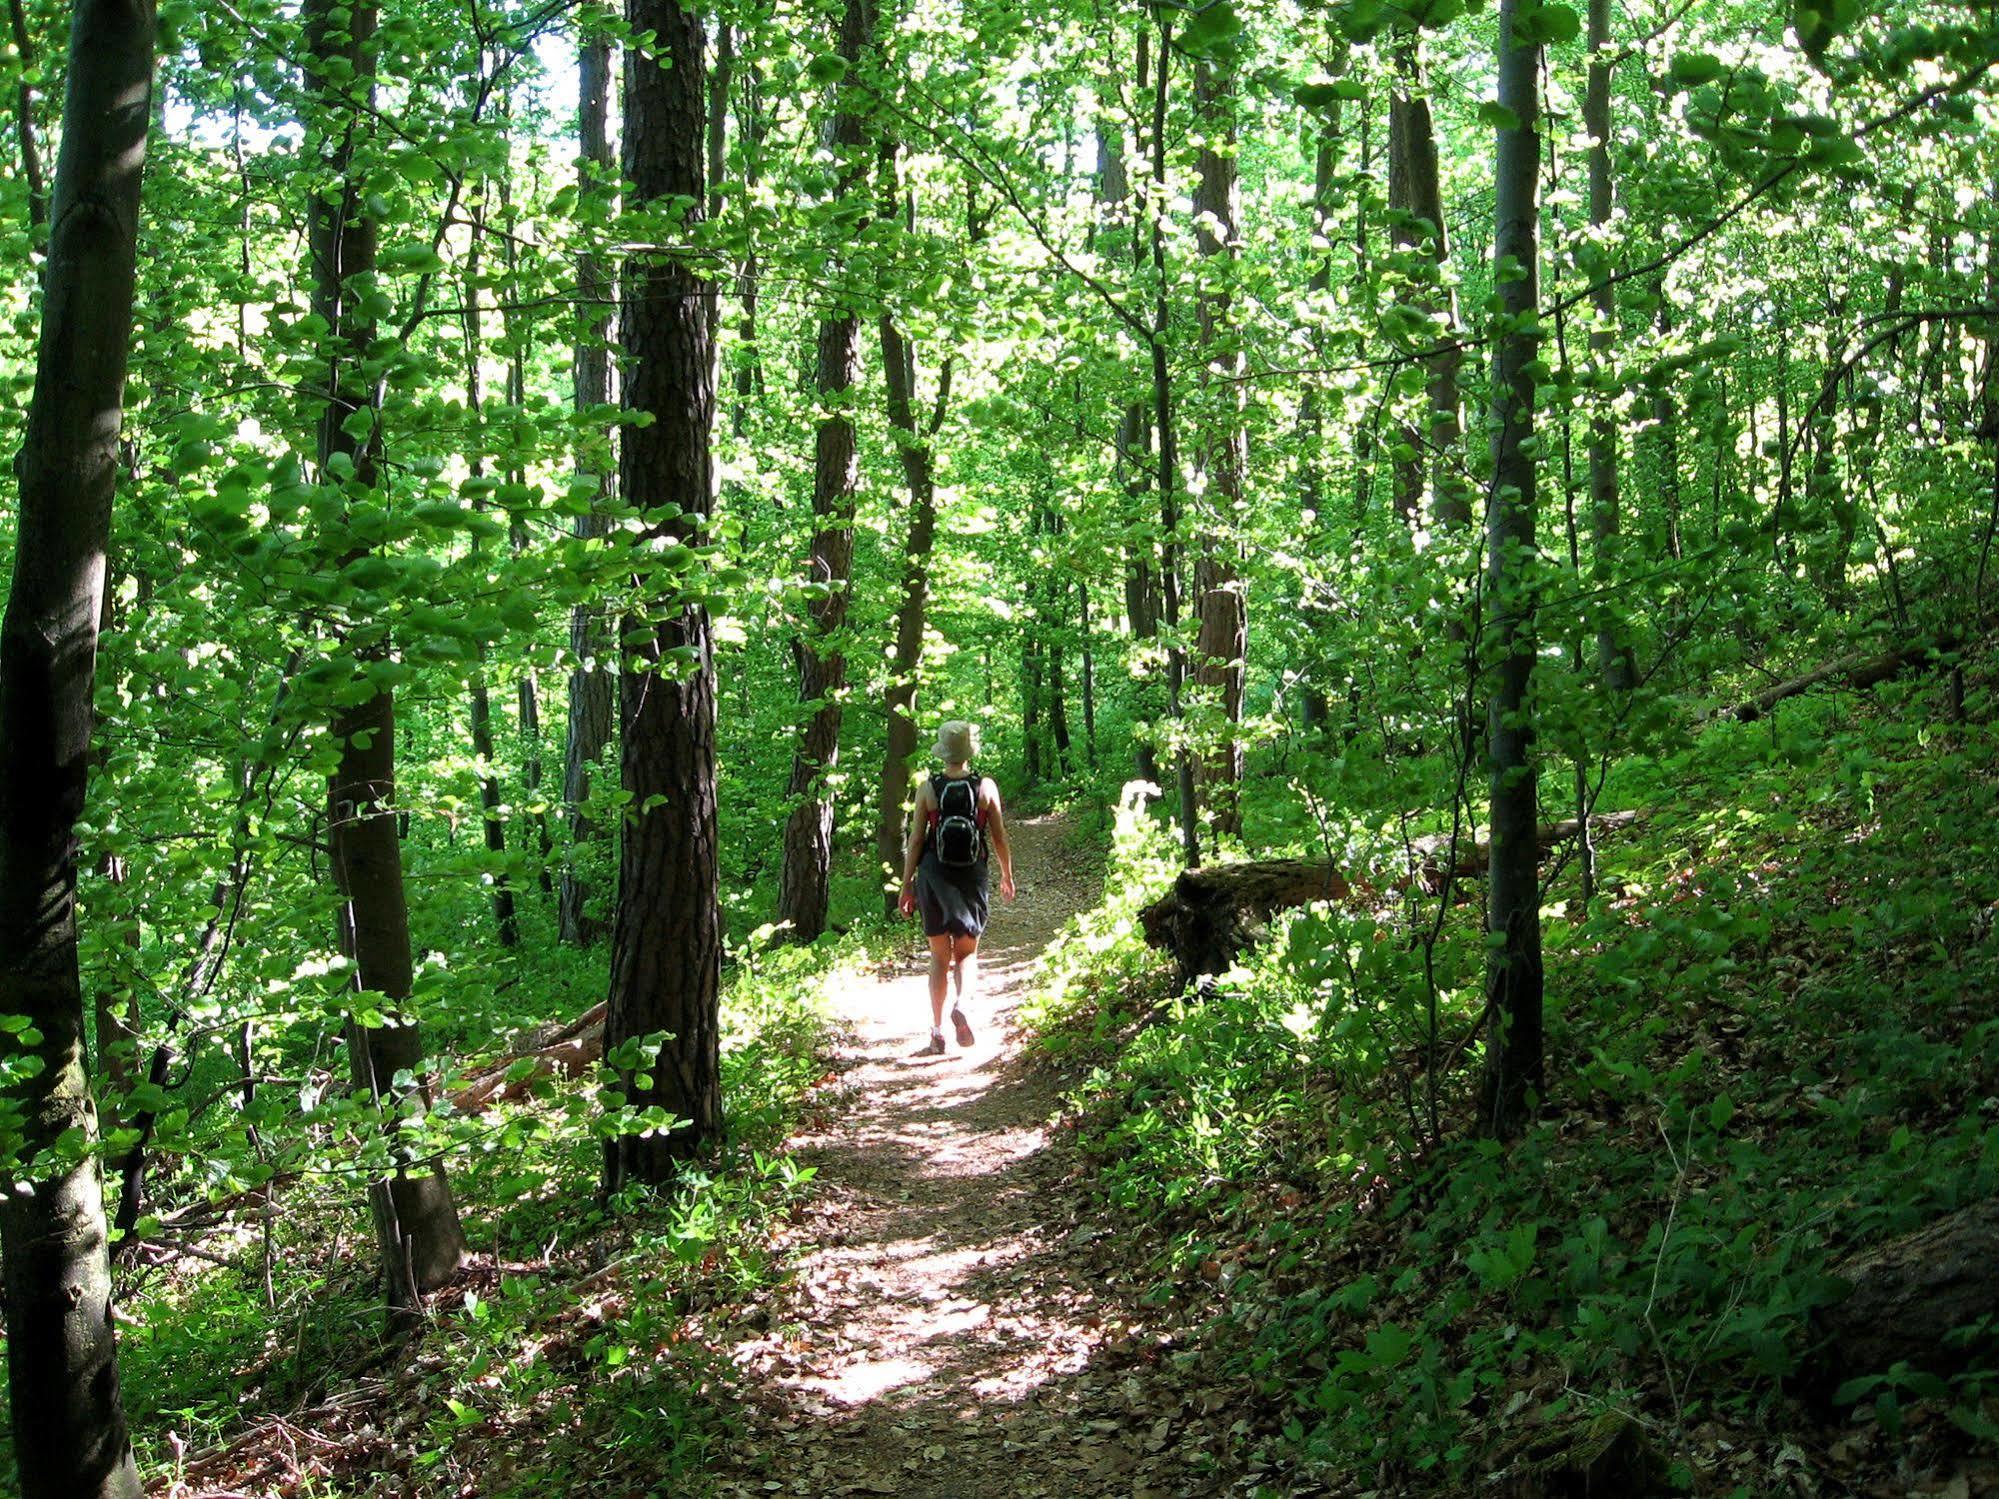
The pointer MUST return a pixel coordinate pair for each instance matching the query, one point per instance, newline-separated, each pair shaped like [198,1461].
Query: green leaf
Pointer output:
[1497,115]
[411,260]
[827,68]
[1690,69]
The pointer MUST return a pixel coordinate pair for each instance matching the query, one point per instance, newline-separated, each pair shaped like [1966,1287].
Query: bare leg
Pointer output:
[966,952]
[940,978]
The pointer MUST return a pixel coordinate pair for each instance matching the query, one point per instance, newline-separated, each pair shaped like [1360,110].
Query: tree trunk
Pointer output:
[70,1440]
[1513,1071]
[1089,673]
[805,887]
[1666,441]
[492,827]
[416,1222]
[919,474]
[24,120]
[527,693]
[1222,640]
[1134,433]
[666,946]
[590,678]
[1613,654]
[1163,415]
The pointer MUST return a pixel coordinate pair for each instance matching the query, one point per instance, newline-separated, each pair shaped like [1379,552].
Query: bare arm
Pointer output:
[912,848]
[996,831]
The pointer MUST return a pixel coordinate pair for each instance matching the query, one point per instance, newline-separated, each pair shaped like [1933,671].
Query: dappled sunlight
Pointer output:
[939,1293]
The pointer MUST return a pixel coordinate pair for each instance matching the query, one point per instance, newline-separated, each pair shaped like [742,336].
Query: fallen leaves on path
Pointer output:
[960,1322]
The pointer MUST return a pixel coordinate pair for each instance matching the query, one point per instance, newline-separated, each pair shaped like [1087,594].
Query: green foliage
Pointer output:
[1761,1058]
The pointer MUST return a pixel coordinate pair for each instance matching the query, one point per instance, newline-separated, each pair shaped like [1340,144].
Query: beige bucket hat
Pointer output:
[957,742]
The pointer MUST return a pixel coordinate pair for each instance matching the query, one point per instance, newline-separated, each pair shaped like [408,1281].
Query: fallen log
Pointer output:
[563,1052]
[1860,671]
[1211,915]
[1907,1296]
[1474,858]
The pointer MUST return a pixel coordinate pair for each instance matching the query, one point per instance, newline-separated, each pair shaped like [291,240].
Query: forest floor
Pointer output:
[959,1323]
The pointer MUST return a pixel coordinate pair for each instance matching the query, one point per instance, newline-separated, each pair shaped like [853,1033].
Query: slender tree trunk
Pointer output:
[1163,415]
[416,1221]
[1513,1072]
[905,670]
[492,826]
[1223,638]
[24,119]
[1666,440]
[1613,655]
[1119,229]
[1363,260]
[1089,673]
[70,1440]
[1781,514]
[805,887]
[1314,710]
[527,692]
[591,708]
[666,947]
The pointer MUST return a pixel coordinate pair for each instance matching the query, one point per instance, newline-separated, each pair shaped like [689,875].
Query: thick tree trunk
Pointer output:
[70,1440]
[666,947]
[416,1222]
[905,669]
[1223,637]
[591,708]
[805,887]
[1513,1071]
[1613,654]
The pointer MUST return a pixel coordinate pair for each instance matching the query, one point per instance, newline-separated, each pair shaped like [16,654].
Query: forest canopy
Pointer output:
[506,492]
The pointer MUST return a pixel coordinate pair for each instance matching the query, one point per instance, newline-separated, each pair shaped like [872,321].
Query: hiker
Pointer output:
[957,816]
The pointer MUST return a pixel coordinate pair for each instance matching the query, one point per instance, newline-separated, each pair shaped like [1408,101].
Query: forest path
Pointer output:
[949,1331]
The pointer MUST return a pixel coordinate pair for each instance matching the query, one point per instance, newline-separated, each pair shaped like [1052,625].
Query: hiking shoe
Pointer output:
[962,1026]
[934,1047]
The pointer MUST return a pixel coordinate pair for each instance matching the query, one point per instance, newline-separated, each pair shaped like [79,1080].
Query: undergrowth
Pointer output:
[1770,1043]
[574,1343]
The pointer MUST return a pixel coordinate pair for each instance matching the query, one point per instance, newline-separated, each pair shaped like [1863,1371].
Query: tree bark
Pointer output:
[1119,227]
[1513,1070]
[494,830]
[1163,415]
[1222,640]
[416,1221]
[805,886]
[24,119]
[590,678]
[1614,659]
[70,1439]
[919,475]
[666,945]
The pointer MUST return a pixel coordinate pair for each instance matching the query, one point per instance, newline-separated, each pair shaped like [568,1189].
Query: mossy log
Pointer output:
[1908,1296]
[1578,1456]
[1212,915]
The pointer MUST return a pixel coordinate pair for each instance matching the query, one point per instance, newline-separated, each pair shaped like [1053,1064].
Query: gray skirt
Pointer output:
[953,901]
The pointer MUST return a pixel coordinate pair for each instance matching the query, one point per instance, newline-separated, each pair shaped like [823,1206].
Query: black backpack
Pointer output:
[959,835]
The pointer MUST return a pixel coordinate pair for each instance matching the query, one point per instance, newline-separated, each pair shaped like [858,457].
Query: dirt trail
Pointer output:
[949,1332]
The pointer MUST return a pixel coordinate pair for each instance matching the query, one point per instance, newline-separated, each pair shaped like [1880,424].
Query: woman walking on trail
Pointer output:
[957,818]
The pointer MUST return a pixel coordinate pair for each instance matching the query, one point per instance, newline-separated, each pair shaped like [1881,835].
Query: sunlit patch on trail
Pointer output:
[943,1316]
